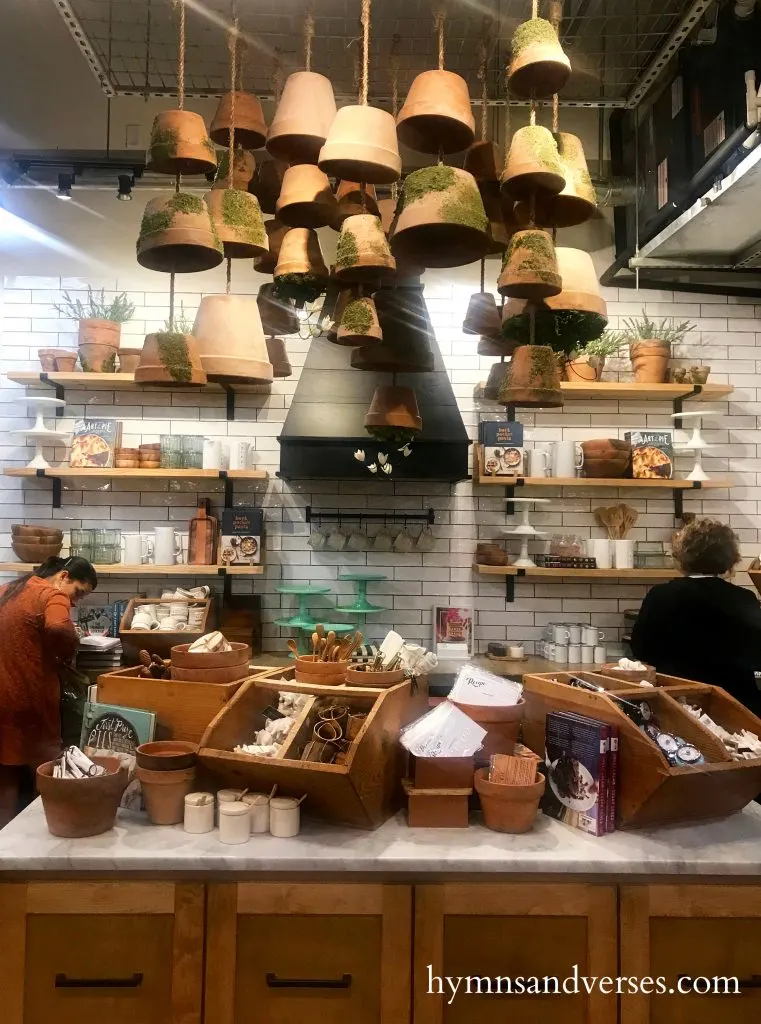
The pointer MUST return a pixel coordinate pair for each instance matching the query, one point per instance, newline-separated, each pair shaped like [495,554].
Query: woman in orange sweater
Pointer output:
[36,634]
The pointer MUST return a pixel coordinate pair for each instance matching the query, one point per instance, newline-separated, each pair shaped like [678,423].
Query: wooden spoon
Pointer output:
[315,644]
[355,643]
[294,648]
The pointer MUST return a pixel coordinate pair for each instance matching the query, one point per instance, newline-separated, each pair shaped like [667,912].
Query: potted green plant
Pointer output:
[650,343]
[587,362]
[99,327]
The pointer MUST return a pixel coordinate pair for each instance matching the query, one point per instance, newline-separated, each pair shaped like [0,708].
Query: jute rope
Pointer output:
[555,17]
[440,17]
[508,124]
[308,34]
[171,301]
[242,52]
[393,64]
[278,79]
[534,8]
[555,113]
[532,113]
[482,72]
[365,81]
[232,45]
[181,56]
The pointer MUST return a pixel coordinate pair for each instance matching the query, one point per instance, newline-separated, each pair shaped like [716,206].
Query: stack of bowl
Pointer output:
[166,770]
[320,673]
[210,667]
[35,543]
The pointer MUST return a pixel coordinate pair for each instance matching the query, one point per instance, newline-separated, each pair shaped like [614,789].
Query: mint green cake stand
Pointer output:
[302,621]
[361,606]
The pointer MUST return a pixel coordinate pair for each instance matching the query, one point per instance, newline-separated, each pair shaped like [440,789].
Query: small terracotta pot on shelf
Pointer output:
[238,222]
[533,164]
[490,553]
[349,202]
[164,793]
[539,67]
[482,316]
[358,323]
[65,362]
[530,270]
[170,358]
[606,457]
[533,380]
[306,199]
[436,115]
[98,345]
[129,359]
[584,369]
[47,357]
[650,361]
[508,808]
[362,146]
[363,253]
[250,126]
[77,808]
[176,235]
[166,755]
[179,144]
[303,118]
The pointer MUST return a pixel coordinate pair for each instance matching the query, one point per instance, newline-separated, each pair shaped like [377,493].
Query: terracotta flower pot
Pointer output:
[359,676]
[539,67]
[496,381]
[500,229]
[650,361]
[129,359]
[306,199]
[581,288]
[278,317]
[576,203]
[484,162]
[362,146]
[98,345]
[267,183]
[303,118]
[533,380]
[530,269]
[508,808]
[482,316]
[65,362]
[358,323]
[407,334]
[362,253]
[436,116]
[584,369]
[164,793]
[492,346]
[349,202]
[278,357]
[300,253]
[76,808]
[244,169]
[387,213]
[394,407]
[250,127]
[238,223]
[177,236]
[179,144]
[266,263]
[47,357]
[442,221]
[502,725]
[230,339]
[533,164]
[167,755]
[170,358]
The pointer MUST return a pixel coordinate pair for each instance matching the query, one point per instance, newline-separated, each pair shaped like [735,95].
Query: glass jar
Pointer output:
[171,452]
[106,554]
[192,451]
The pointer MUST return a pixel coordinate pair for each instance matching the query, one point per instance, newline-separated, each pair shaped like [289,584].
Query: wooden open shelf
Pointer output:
[581,481]
[603,574]
[153,570]
[119,382]
[574,391]
[67,473]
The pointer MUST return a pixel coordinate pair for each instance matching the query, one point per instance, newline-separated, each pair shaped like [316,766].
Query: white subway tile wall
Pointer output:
[727,335]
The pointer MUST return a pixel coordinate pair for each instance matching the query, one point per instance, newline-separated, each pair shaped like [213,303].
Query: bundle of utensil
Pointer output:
[617,520]
[327,647]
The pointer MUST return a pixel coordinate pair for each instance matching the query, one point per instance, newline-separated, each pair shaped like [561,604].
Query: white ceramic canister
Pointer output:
[260,812]
[234,822]
[285,817]
[199,813]
[227,796]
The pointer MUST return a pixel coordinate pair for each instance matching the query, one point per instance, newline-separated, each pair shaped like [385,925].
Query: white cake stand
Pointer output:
[696,443]
[39,433]
[524,530]
[41,406]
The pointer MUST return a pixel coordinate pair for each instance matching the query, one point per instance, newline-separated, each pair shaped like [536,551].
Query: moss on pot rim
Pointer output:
[541,142]
[536,30]
[174,354]
[164,142]
[240,210]
[301,287]
[465,206]
[357,317]
[347,252]
[427,179]
[161,219]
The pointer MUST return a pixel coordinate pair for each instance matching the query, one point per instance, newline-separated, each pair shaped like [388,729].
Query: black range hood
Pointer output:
[325,422]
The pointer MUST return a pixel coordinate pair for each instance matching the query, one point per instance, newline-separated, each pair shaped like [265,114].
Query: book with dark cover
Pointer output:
[242,535]
[502,447]
[112,729]
[613,783]
[575,766]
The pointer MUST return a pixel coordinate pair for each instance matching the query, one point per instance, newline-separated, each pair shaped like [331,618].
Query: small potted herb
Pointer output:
[587,362]
[650,344]
[99,327]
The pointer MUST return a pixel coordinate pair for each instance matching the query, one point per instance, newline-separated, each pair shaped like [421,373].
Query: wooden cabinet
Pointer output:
[120,952]
[512,930]
[706,932]
[294,953]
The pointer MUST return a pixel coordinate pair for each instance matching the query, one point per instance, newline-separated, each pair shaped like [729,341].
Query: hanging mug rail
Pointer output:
[317,516]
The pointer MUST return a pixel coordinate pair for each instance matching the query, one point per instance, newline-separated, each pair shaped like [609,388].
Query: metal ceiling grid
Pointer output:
[131,45]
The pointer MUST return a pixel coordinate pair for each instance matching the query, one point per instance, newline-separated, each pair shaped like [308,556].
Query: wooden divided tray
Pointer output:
[157,641]
[651,792]
[362,792]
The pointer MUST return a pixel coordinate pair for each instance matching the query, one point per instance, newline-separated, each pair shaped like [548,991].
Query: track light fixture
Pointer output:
[126,181]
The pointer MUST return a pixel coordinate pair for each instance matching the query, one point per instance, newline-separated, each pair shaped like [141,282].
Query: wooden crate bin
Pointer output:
[363,792]
[157,641]
[721,706]
[651,792]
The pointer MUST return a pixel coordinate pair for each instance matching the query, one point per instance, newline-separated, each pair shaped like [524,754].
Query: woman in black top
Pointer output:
[701,626]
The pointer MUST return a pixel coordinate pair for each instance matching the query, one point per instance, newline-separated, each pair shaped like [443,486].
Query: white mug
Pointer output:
[623,554]
[574,633]
[383,540]
[560,634]
[184,545]
[195,616]
[557,652]
[240,454]
[136,549]
[600,656]
[425,539]
[591,636]
[165,546]
[317,540]
[601,549]
[574,654]
[357,541]
[587,655]
[567,458]
[336,540]
[212,453]
[537,462]
[403,542]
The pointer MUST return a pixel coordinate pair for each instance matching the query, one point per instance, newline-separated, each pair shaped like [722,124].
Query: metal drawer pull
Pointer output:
[274,982]
[64,981]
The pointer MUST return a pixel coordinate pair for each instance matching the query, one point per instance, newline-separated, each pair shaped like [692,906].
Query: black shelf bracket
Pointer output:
[227,584]
[510,494]
[230,396]
[697,389]
[223,475]
[510,412]
[509,589]
[41,474]
[60,392]
[314,515]
[697,485]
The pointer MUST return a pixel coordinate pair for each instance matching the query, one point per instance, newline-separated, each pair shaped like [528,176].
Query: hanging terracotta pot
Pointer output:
[530,269]
[303,118]
[278,317]
[267,183]
[539,67]
[482,316]
[533,163]
[170,358]
[499,229]
[650,361]
[266,263]
[496,381]
[98,342]
[238,222]
[442,221]
[387,214]
[349,202]
[300,273]
[358,323]
[278,357]
[244,169]
[407,334]
[484,162]
[533,380]
[581,288]
[362,253]
[179,144]
[492,346]
[436,116]
[250,127]
[394,407]
[362,146]
[177,235]
[230,339]
[306,199]
[576,203]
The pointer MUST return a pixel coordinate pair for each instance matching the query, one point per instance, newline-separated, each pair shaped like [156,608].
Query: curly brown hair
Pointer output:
[706,547]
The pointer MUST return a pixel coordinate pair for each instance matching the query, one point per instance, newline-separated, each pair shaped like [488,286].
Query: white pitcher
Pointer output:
[136,549]
[567,458]
[166,545]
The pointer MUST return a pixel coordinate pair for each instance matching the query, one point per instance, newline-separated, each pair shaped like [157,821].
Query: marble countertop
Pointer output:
[726,848]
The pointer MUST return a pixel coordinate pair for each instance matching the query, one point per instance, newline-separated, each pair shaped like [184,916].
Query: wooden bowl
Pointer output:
[226,674]
[35,550]
[166,755]
[320,673]
[36,533]
[359,676]
[239,655]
